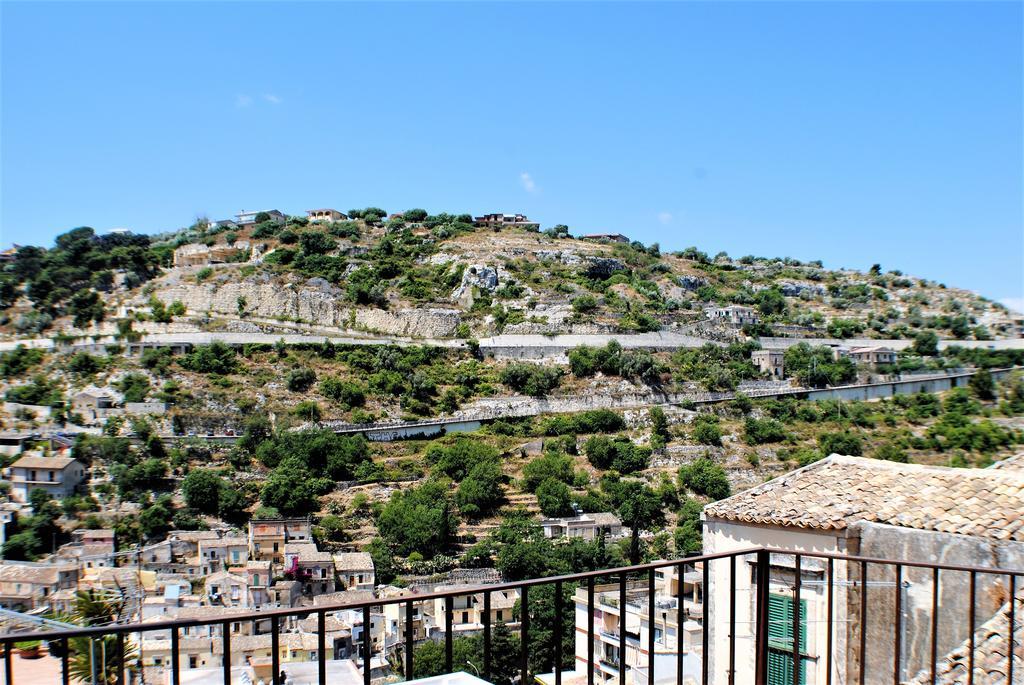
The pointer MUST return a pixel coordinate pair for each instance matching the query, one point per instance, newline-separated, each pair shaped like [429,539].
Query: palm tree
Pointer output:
[95,660]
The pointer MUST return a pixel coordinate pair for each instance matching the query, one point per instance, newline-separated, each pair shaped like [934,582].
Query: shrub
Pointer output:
[346,393]
[762,431]
[549,466]
[301,379]
[531,379]
[554,498]
[706,430]
[617,453]
[840,443]
[705,477]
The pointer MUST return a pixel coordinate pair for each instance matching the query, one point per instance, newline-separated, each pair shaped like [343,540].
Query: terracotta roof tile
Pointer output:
[839,491]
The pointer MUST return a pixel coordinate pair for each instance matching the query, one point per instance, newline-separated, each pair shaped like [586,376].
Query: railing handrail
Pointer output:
[304,612]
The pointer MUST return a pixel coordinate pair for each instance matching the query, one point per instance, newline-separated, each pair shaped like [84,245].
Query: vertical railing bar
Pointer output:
[898,627]
[650,625]
[226,662]
[8,663]
[368,647]
[524,635]
[681,614]
[119,641]
[487,635]
[970,629]
[65,667]
[830,569]
[449,609]
[557,633]
[321,647]
[275,651]
[761,644]
[935,624]
[705,665]
[863,620]
[622,628]
[732,620]
[796,618]
[590,630]
[1013,620]
[409,636]
[175,657]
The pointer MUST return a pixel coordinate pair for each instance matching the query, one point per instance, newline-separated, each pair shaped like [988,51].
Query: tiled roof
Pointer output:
[991,645]
[36,461]
[836,492]
[353,561]
[1014,463]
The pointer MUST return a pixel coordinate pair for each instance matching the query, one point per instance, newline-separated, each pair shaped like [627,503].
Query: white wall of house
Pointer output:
[723,536]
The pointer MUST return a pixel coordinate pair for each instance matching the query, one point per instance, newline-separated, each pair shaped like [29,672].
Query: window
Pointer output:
[192,662]
[498,615]
[780,640]
[465,617]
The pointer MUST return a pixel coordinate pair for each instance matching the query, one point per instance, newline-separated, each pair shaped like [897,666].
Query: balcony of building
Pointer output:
[766,617]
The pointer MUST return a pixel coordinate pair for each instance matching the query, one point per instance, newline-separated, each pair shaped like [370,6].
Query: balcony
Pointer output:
[855,620]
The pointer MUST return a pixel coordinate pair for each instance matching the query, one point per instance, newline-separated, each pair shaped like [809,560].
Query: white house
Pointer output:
[58,476]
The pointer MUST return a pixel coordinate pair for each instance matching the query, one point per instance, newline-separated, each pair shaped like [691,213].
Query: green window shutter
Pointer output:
[780,640]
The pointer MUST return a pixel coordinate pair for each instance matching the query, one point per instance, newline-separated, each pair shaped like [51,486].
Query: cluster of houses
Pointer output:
[840,505]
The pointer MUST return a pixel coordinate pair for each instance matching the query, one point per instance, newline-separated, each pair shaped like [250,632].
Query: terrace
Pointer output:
[860,620]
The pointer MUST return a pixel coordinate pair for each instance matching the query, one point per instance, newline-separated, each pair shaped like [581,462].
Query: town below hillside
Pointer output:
[278,411]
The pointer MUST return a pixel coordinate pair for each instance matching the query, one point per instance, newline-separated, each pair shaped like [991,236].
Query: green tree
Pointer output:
[480,492]
[134,387]
[705,477]
[301,379]
[926,344]
[982,385]
[817,367]
[201,489]
[840,443]
[291,489]
[659,427]
[420,519]
[640,509]
[554,498]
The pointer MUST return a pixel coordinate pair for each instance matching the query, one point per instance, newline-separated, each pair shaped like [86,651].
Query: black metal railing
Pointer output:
[857,611]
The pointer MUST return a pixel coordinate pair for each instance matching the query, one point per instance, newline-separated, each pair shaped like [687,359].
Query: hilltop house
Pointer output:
[58,476]
[318,215]
[602,237]
[769,362]
[245,219]
[871,508]
[500,221]
[873,356]
[734,315]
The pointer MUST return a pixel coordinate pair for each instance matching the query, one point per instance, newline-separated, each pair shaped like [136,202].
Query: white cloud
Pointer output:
[665,217]
[529,185]
[243,100]
[1014,303]
[272,99]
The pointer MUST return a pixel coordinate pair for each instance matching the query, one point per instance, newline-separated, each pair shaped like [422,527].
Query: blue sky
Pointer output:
[853,132]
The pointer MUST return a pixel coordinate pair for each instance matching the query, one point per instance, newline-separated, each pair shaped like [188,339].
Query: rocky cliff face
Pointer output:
[315,302]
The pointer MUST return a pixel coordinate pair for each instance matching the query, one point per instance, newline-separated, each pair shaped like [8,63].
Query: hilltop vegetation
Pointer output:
[493,281]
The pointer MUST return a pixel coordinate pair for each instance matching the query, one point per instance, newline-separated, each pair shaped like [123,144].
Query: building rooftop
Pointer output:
[840,491]
[990,652]
[37,461]
[353,561]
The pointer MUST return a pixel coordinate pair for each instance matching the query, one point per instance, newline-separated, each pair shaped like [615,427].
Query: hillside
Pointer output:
[286,331]
[442,278]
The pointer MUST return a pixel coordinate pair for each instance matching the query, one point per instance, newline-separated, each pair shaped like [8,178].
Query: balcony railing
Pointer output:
[744,638]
